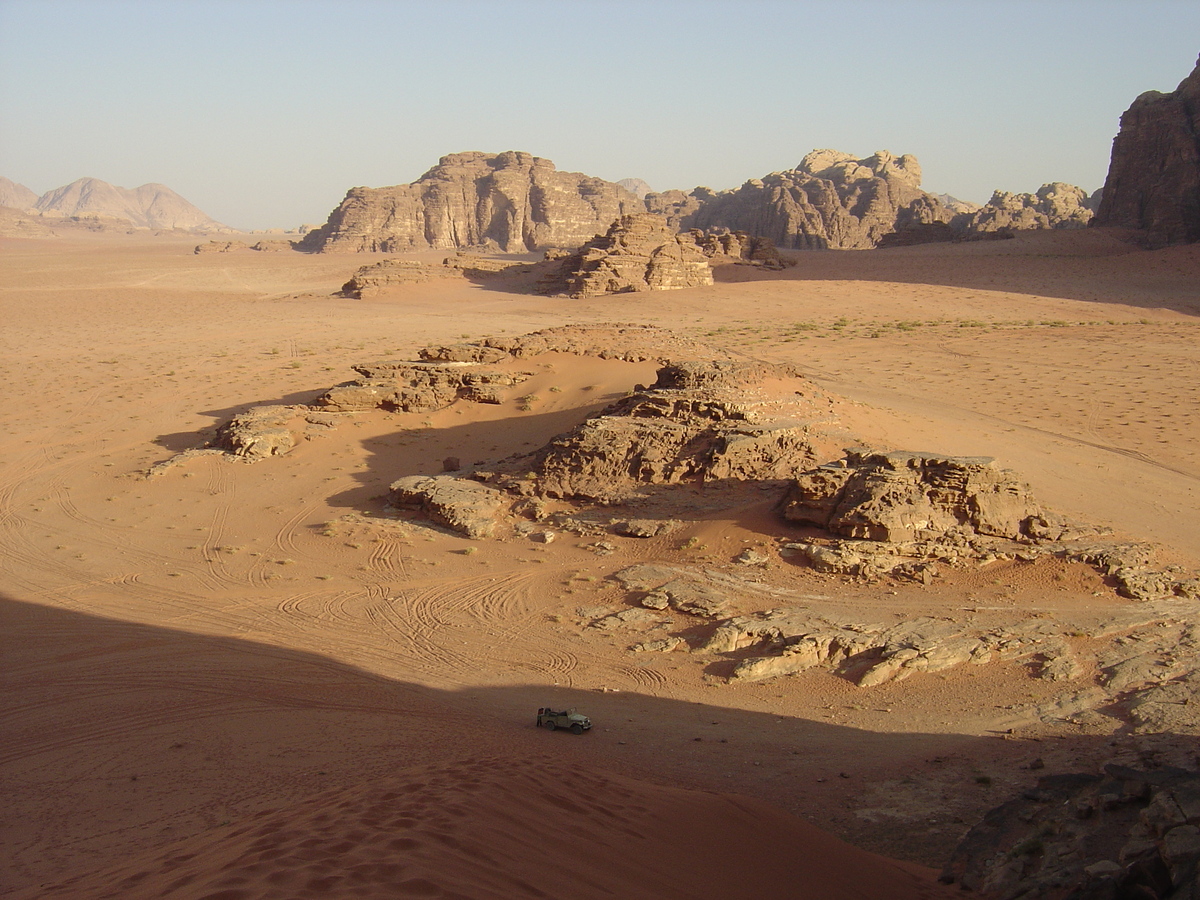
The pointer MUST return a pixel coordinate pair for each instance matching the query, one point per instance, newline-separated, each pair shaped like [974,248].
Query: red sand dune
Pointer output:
[498,828]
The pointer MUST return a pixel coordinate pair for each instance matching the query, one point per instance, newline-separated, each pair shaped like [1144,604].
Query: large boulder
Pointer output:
[901,496]
[1154,177]
[512,201]
[468,507]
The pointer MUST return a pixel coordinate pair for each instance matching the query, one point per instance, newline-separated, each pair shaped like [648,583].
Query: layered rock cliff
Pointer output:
[512,201]
[830,201]
[1154,177]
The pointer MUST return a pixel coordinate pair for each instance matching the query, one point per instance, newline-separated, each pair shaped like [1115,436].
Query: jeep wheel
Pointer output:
[576,728]
[549,725]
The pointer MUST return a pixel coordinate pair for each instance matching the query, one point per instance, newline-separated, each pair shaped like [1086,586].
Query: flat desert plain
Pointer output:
[235,680]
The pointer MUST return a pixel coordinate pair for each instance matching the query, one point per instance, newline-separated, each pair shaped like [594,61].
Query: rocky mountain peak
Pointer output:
[1153,179]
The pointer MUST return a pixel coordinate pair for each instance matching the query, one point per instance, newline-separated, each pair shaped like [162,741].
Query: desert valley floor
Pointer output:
[229,679]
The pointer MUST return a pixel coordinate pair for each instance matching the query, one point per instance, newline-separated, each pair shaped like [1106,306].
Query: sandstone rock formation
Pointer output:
[468,507]
[1055,205]
[831,200]
[740,247]
[16,196]
[1154,176]
[148,206]
[221,247]
[1121,833]
[637,253]
[261,431]
[510,201]
[418,386]
[701,421]
[901,496]
[391,273]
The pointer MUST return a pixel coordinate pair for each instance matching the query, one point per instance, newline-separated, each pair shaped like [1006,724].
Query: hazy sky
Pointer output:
[264,112]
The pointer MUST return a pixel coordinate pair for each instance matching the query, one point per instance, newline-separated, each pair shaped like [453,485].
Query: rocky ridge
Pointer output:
[513,202]
[1055,205]
[831,200]
[1153,181]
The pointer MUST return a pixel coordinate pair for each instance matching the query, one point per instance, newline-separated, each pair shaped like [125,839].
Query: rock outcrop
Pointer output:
[637,253]
[739,247]
[902,496]
[1121,833]
[831,200]
[262,431]
[701,421]
[1055,205]
[468,507]
[422,386]
[1153,179]
[512,201]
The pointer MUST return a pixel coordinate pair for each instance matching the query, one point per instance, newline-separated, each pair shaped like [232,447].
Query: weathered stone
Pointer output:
[699,422]
[421,386]
[1154,176]
[666,645]
[512,201]
[637,253]
[645,528]
[628,619]
[899,496]
[220,247]
[1054,206]
[829,201]
[740,247]
[467,507]
[260,432]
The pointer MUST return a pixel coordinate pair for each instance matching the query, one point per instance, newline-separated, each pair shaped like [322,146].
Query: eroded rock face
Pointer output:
[740,247]
[637,253]
[260,432]
[468,507]
[1154,176]
[512,201]
[1055,205]
[700,421]
[830,201]
[901,496]
[1119,833]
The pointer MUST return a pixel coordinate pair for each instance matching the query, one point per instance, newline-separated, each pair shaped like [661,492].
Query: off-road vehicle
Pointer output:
[551,719]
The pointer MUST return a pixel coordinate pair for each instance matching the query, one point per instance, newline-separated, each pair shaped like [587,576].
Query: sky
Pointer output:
[263,113]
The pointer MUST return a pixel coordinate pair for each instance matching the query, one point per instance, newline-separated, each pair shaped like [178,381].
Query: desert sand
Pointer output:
[236,681]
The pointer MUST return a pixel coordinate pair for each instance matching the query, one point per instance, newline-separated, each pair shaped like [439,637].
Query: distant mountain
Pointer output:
[16,196]
[149,206]
[636,186]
